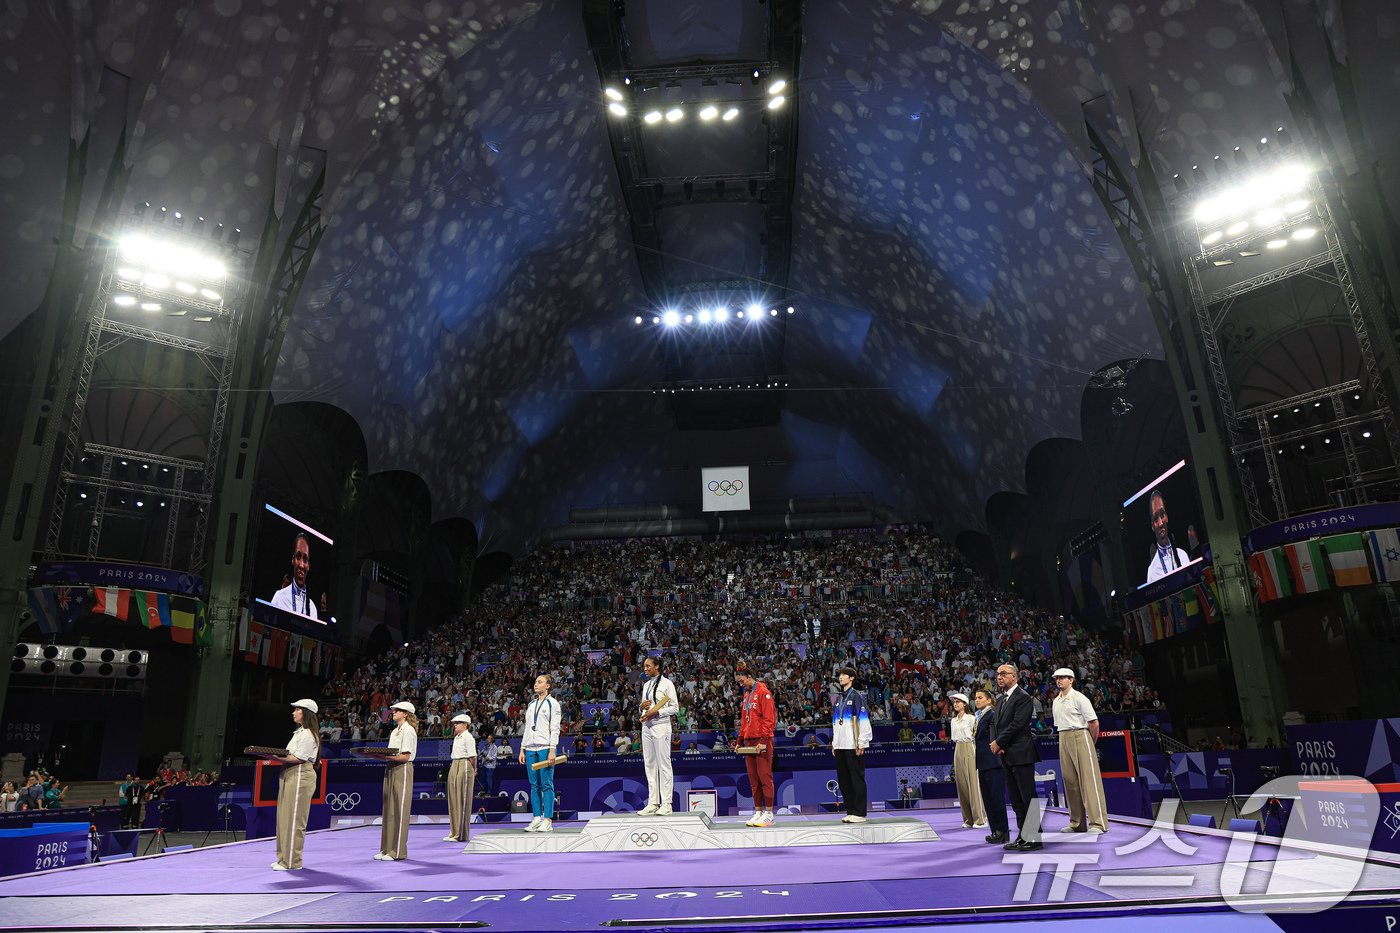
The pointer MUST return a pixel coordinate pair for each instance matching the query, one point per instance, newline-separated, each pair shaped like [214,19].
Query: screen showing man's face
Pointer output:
[1159,520]
[301,562]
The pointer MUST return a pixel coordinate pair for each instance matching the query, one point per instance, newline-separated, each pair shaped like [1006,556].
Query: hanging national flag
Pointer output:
[277,649]
[72,604]
[1384,545]
[152,609]
[44,605]
[256,632]
[243,631]
[1309,572]
[182,623]
[1210,596]
[1194,610]
[203,629]
[1270,572]
[310,647]
[111,601]
[293,652]
[1177,606]
[1347,555]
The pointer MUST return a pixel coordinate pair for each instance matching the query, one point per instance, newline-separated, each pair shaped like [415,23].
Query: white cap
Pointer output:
[960,696]
[1064,672]
[462,717]
[404,705]
[308,705]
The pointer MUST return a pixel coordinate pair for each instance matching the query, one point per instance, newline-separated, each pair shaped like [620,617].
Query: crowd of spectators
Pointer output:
[40,791]
[900,606]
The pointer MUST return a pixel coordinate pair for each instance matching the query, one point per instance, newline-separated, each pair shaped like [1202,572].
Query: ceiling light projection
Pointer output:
[709,113]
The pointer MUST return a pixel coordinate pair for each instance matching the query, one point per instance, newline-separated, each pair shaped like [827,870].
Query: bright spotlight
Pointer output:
[709,113]
[1210,239]
[772,312]
[755,309]
[777,87]
[740,315]
[612,93]
[1268,218]
[690,319]
[150,306]
[1209,210]
[1276,244]
[672,318]
[128,274]
[655,319]
[674,115]
[157,280]
[705,316]
[124,301]
[1291,179]
[637,319]
[1237,228]
[210,294]
[1298,206]
[1304,233]
[730,114]
[652,116]
[617,110]
[721,314]
[185,287]
[791,309]
[776,102]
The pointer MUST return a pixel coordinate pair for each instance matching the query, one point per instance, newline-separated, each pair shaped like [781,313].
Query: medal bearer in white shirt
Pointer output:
[461,779]
[398,784]
[296,785]
[659,706]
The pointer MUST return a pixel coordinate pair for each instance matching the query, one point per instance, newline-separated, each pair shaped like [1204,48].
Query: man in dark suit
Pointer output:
[991,777]
[1013,741]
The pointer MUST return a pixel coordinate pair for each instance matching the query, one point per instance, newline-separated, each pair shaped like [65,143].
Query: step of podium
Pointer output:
[621,832]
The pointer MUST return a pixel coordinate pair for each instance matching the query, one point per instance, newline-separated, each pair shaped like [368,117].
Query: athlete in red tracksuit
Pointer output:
[757,717]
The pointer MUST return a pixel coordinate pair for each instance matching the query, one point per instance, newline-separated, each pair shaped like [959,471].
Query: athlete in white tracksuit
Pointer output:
[658,707]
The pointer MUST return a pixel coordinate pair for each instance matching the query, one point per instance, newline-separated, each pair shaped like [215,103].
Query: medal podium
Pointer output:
[621,832]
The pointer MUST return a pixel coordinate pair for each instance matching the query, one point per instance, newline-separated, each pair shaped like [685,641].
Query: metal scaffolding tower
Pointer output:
[1252,431]
[132,308]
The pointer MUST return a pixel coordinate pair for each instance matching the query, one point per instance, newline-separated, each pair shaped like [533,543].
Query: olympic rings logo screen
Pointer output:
[725,489]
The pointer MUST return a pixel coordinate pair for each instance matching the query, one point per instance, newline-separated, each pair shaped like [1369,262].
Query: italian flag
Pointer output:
[111,601]
[1305,558]
[1270,572]
[1347,555]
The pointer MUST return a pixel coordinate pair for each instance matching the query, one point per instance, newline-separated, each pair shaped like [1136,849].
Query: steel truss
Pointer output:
[105,334]
[1213,308]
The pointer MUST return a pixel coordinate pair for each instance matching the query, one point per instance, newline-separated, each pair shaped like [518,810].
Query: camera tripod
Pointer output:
[225,816]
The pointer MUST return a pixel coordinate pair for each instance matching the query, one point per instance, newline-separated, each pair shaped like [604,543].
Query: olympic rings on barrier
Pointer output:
[645,839]
[725,487]
[343,801]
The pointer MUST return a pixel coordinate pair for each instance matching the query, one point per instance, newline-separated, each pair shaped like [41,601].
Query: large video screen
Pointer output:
[294,567]
[1163,530]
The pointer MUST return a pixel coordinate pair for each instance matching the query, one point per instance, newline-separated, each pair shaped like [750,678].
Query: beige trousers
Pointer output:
[461,787]
[969,790]
[296,785]
[1079,765]
[398,794]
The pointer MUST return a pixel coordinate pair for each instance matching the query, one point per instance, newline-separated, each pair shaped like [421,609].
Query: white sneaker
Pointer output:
[384,858]
[1095,831]
[546,826]
[966,825]
[649,810]
[766,818]
[1070,829]
[980,825]
[450,839]
[665,811]
[846,819]
[857,819]
[278,866]
[534,826]
[754,820]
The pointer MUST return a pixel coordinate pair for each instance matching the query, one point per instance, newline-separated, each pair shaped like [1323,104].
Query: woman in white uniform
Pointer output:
[398,783]
[297,785]
[963,727]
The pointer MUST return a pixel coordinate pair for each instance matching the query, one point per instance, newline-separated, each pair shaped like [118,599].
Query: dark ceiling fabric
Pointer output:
[471,304]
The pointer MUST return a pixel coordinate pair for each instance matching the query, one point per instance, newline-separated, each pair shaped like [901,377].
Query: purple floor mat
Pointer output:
[437,885]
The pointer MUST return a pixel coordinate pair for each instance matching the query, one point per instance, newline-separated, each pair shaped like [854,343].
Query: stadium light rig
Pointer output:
[708,111]
[153,270]
[1274,203]
[713,316]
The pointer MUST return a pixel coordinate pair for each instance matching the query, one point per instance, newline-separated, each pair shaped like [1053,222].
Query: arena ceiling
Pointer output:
[955,277]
